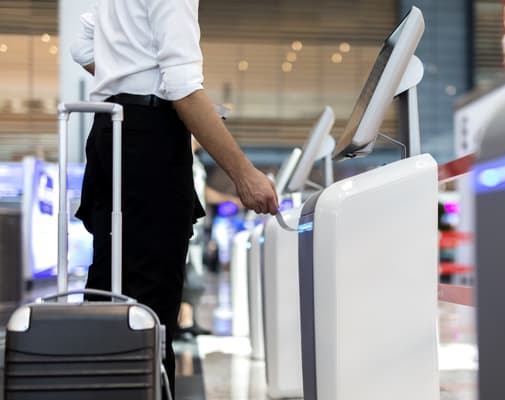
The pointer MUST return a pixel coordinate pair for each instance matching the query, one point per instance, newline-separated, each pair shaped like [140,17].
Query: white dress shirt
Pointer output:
[142,47]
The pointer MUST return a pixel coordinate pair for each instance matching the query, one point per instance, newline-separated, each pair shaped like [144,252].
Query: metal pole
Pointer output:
[328,170]
[81,155]
[414,129]
[116,209]
[410,132]
[62,206]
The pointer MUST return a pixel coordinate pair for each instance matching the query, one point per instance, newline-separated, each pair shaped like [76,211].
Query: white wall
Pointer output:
[71,73]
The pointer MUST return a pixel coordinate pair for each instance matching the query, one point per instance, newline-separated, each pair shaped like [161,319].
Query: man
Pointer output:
[145,55]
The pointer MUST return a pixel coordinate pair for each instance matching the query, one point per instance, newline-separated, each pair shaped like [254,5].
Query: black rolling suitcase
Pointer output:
[92,350]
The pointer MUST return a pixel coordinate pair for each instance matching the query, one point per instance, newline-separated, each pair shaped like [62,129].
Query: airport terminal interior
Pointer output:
[382,126]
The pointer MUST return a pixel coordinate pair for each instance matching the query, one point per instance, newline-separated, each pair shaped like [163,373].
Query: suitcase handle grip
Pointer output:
[94,292]
[115,110]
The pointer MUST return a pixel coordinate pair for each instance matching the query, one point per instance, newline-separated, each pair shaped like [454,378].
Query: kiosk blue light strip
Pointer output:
[489,176]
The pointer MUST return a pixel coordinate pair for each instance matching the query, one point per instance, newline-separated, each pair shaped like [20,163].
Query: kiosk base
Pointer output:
[369,245]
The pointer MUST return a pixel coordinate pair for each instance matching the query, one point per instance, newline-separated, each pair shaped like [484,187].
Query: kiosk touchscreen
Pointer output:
[318,145]
[380,88]
[286,171]
[368,263]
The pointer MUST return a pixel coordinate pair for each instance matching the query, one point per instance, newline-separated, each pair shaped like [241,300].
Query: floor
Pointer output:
[219,367]
[230,374]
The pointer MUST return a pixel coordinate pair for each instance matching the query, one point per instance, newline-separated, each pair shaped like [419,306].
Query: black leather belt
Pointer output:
[148,100]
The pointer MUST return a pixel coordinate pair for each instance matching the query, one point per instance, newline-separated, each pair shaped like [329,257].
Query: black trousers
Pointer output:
[159,207]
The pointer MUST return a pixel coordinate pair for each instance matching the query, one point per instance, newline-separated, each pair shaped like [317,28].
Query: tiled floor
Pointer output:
[221,367]
[458,358]
[230,374]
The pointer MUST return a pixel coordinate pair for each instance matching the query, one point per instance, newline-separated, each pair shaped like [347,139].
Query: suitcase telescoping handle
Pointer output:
[93,292]
[64,111]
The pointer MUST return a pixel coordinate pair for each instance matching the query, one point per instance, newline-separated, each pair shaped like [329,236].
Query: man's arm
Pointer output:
[254,189]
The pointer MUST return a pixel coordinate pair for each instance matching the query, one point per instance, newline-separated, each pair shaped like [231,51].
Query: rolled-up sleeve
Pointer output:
[176,35]
[82,49]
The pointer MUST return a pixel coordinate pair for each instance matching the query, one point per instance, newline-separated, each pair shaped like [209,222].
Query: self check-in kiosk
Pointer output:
[319,145]
[254,256]
[489,189]
[281,311]
[243,323]
[278,252]
[368,254]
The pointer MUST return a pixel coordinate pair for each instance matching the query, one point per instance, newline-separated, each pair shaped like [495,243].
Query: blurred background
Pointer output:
[275,63]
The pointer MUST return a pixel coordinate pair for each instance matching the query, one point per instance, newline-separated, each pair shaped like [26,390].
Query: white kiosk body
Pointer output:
[368,285]
[255,294]
[238,277]
[281,309]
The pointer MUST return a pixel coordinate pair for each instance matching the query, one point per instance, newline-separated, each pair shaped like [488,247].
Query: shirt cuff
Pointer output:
[82,52]
[180,81]
[82,49]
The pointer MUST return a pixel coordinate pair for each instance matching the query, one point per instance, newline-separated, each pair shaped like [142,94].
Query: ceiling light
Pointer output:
[297,45]
[3,48]
[53,50]
[243,66]
[345,47]
[45,38]
[287,66]
[337,58]
[291,56]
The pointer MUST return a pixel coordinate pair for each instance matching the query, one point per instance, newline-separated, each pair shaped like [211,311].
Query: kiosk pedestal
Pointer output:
[238,276]
[281,309]
[368,285]
[255,294]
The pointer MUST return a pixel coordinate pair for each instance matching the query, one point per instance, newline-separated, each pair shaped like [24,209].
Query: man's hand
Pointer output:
[257,192]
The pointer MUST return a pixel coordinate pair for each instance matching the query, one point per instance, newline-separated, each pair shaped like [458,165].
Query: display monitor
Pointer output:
[380,88]
[42,214]
[11,181]
[318,143]
[286,170]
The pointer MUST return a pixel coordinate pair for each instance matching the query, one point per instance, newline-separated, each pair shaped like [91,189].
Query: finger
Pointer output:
[273,207]
[276,197]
